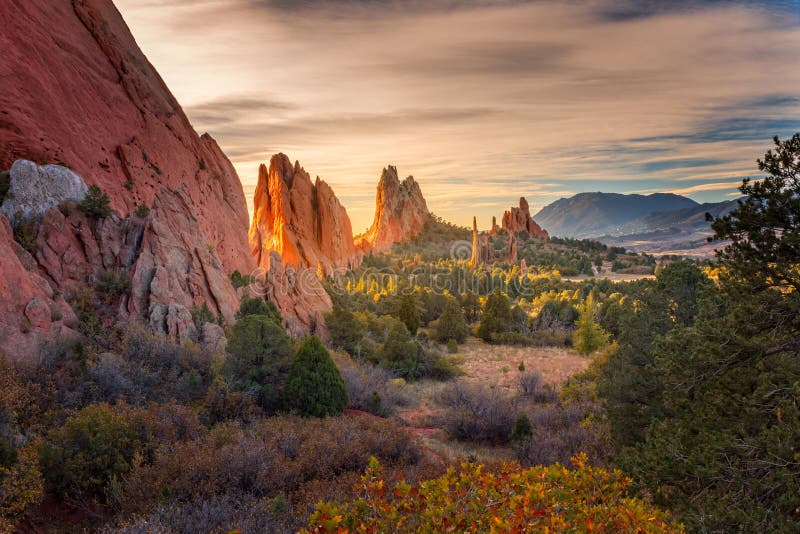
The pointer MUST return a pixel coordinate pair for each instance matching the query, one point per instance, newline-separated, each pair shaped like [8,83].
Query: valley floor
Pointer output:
[490,365]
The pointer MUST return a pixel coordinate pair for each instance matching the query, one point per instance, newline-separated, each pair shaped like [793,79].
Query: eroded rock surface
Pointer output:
[400,213]
[303,221]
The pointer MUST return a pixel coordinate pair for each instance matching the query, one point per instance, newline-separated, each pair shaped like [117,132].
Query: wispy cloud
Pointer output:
[485,100]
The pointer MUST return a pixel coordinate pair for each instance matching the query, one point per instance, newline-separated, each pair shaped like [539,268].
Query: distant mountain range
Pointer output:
[658,223]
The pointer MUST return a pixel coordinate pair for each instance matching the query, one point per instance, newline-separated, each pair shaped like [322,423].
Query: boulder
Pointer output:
[34,190]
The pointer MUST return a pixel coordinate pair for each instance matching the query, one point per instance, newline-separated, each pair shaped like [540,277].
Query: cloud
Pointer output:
[484,100]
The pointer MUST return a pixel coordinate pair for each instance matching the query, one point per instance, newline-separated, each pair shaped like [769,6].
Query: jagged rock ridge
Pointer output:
[400,212]
[519,220]
[304,222]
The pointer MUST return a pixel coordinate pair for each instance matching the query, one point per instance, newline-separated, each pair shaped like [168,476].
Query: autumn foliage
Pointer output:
[510,499]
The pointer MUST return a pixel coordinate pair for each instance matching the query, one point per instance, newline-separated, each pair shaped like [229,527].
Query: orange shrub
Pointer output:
[512,499]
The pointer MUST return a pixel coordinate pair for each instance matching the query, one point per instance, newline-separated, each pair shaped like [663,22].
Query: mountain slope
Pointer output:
[595,214]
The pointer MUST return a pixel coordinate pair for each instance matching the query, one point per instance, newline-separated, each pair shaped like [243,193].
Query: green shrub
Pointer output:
[259,358]
[93,447]
[522,428]
[590,337]
[452,346]
[113,283]
[399,353]
[409,313]
[259,306]
[315,387]
[496,316]
[241,280]
[202,314]
[142,211]
[96,203]
[451,325]
[344,328]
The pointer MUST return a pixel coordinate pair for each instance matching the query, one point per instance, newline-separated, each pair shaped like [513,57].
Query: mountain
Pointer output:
[400,212]
[588,215]
[684,231]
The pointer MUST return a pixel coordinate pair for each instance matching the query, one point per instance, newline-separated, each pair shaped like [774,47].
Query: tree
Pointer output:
[764,228]
[471,305]
[259,357]
[409,312]
[589,336]
[496,316]
[451,325]
[345,329]
[315,387]
[400,354]
[702,394]
[96,203]
[259,306]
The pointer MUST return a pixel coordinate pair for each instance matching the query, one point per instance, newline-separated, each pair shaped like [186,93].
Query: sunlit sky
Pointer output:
[484,101]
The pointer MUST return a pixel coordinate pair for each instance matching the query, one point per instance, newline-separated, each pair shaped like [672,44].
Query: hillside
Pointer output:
[597,214]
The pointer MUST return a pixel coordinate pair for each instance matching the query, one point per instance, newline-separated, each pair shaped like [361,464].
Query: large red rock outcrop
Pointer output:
[78,90]
[31,313]
[519,220]
[304,222]
[400,213]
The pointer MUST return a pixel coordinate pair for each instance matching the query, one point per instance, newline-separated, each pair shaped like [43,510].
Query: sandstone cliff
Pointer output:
[302,221]
[78,91]
[519,220]
[400,213]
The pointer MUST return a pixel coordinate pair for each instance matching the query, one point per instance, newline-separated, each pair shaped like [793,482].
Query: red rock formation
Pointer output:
[30,312]
[77,89]
[481,249]
[299,296]
[495,229]
[519,220]
[304,222]
[400,213]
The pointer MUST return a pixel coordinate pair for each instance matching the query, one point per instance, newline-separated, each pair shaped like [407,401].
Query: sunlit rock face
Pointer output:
[400,212]
[79,92]
[519,220]
[303,221]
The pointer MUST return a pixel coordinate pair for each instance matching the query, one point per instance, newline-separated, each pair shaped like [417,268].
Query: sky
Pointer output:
[484,101]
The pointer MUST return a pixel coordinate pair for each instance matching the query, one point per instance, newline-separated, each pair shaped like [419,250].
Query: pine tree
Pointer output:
[409,313]
[451,325]
[315,387]
[496,316]
[589,336]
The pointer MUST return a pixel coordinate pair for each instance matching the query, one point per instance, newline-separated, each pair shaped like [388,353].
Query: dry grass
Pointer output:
[498,365]
[494,365]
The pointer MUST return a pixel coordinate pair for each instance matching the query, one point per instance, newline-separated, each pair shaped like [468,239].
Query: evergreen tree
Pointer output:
[400,354]
[451,325]
[409,312]
[259,356]
[496,317]
[259,306]
[345,330]
[315,387]
[589,336]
